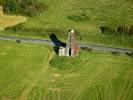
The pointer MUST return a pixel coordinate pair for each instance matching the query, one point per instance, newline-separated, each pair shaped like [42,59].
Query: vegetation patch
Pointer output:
[107,29]
[125,29]
[80,17]
[122,30]
[25,7]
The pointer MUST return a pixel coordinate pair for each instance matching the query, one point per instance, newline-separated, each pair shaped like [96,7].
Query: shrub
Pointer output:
[10,6]
[131,30]
[80,17]
[120,30]
[107,29]
[15,28]
[26,7]
[123,29]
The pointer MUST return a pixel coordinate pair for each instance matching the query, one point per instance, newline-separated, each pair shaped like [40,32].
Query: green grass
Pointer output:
[19,65]
[86,16]
[25,72]
[94,76]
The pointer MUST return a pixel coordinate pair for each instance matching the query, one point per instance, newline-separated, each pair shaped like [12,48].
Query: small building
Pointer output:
[71,48]
[62,51]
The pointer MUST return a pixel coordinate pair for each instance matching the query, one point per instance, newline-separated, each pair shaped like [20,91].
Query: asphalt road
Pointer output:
[83,46]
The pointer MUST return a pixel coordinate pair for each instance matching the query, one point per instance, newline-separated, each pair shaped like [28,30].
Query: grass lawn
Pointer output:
[28,72]
[21,65]
[86,16]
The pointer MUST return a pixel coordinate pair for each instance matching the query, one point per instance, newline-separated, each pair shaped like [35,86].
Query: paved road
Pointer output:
[83,46]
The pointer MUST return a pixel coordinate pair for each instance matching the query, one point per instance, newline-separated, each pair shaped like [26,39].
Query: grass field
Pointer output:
[21,65]
[33,72]
[85,16]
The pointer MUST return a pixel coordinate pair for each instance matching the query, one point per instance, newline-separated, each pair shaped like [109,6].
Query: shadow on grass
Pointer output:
[57,42]
[107,29]
[86,48]
[115,53]
[129,54]
[80,17]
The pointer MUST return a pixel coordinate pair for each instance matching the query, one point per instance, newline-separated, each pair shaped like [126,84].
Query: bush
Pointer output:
[122,29]
[80,17]
[10,6]
[107,29]
[125,29]
[131,30]
[26,7]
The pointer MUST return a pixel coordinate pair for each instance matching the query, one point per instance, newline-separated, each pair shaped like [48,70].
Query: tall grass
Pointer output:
[25,7]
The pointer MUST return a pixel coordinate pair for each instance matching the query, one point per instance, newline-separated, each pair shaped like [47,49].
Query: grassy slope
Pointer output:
[9,21]
[25,73]
[99,13]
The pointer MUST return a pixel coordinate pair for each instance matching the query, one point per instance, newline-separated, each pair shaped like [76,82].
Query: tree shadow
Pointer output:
[57,43]
[86,48]
[115,53]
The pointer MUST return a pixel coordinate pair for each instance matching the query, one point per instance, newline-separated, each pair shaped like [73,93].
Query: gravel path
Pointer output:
[83,46]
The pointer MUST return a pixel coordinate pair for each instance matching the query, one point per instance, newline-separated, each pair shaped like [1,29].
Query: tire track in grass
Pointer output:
[5,80]
[126,88]
[8,90]
[6,85]
[36,93]
[34,81]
